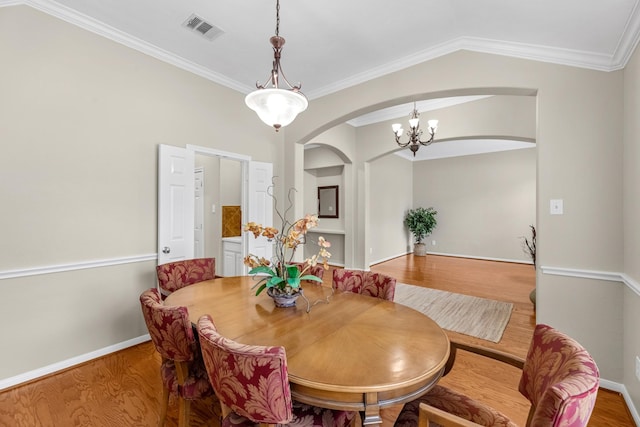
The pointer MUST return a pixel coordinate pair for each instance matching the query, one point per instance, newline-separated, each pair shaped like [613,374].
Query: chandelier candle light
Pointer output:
[274,105]
[415,132]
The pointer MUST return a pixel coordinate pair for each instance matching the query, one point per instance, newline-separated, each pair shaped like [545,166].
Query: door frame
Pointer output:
[198,210]
[244,160]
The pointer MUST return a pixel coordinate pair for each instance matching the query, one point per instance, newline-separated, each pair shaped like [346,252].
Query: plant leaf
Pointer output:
[261,288]
[292,271]
[274,281]
[311,277]
[294,282]
[262,269]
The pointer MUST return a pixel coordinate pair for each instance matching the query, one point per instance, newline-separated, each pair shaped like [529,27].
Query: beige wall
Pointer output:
[485,202]
[391,196]
[80,121]
[631,224]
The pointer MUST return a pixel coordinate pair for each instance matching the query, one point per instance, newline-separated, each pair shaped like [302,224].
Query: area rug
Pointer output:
[479,317]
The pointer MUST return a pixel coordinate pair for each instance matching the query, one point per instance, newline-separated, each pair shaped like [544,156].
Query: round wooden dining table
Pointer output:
[349,351]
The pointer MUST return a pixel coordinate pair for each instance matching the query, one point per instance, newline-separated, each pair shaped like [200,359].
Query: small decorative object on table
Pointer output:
[280,276]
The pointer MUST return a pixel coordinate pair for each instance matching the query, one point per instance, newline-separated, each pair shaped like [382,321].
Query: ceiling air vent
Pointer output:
[199,25]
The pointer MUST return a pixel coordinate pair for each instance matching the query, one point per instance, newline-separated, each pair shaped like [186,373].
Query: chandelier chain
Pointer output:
[277,18]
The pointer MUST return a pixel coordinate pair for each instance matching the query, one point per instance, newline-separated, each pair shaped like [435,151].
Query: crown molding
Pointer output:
[581,59]
[628,40]
[574,58]
[90,24]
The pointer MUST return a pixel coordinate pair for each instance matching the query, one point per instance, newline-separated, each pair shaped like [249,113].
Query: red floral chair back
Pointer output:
[169,328]
[175,275]
[347,280]
[365,283]
[560,379]
[182,371]
[378,285]
[250,380]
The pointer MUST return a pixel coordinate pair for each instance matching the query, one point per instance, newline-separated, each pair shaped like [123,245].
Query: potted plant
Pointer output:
[420,222]
[280,276]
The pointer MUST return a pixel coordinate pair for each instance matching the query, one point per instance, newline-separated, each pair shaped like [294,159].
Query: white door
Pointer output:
[260,207]
[175,203]
[198,230]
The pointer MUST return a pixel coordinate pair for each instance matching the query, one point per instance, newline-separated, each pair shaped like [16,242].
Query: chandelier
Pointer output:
[415,132]
[275,106]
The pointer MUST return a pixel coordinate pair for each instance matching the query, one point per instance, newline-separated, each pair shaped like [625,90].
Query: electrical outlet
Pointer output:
[638,368]
[433,243]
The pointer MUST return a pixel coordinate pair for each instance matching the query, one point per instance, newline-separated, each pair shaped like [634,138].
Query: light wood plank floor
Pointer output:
[124,389]
[489,381]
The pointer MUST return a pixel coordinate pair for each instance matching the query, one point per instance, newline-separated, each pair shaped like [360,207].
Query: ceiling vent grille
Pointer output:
[199,25]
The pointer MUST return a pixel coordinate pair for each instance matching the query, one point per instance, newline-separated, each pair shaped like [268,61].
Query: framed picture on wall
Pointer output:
[328,201]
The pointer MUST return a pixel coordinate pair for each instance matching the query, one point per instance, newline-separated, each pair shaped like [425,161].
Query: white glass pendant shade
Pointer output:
[276,107]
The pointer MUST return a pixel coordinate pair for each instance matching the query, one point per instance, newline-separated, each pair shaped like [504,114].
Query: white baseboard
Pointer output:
[387,258]
[517,261]
[64,364]
[620,388]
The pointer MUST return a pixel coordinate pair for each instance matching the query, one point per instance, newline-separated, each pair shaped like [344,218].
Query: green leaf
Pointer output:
[262,269]
[292,271]
[294,282]
[261,288]
[311,277]
[274,281]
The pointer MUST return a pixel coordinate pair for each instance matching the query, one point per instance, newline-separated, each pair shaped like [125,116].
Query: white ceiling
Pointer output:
[334,44]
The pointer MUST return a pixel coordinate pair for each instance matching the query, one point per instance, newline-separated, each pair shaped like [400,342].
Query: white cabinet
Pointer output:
[232,257]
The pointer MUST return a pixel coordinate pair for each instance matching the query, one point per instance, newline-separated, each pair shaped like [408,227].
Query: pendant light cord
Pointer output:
[277,17]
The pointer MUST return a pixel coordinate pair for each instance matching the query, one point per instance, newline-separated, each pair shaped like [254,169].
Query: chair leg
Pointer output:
[184,413]
[164,405]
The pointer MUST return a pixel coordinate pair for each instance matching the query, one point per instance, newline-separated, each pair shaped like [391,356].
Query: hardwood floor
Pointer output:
[124,389]
[485,380]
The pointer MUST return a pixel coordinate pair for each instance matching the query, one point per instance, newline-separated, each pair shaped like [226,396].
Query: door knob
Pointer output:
[166,250]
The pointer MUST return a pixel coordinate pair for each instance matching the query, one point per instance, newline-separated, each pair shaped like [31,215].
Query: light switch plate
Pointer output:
[556,207]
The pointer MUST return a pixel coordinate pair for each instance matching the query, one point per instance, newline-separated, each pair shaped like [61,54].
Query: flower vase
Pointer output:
[283,300]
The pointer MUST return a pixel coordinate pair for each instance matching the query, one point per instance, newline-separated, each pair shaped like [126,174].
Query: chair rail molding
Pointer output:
[82,265]
[593,274]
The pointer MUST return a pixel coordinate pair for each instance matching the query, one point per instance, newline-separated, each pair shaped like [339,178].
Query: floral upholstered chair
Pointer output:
[175,275]
[182,370]
[252,384]
[365,283]
[559,378]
